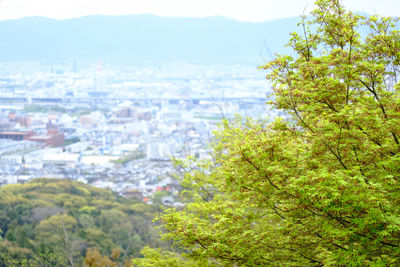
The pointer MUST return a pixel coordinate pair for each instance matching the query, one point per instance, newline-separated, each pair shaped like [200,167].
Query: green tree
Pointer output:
[323,186]
[95,259]
[57,231]
[55,222]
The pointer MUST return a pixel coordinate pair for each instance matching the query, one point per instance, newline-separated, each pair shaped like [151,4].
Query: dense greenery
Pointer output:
[54,222]
[71,141]
[44,108]
[319,188]
[130,157]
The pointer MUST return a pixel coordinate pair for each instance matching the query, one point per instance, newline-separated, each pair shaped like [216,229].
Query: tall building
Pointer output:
[99,80]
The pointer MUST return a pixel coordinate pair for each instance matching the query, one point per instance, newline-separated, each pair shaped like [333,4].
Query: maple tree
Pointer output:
[319,188]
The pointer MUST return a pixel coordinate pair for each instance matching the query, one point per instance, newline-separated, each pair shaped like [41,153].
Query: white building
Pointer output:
[64,159]
[158,151]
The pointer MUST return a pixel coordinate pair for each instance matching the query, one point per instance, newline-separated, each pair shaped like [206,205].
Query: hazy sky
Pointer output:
[245,10]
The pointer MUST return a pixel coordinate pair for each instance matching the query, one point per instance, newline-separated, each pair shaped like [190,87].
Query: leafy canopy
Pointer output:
[320,188]
[57,222]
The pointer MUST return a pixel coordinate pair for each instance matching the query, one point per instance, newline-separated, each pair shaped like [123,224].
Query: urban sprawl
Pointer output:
[118,127]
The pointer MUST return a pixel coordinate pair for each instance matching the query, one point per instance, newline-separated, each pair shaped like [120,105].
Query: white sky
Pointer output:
[245,10]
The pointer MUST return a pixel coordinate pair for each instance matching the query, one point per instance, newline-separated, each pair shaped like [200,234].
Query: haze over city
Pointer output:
[252,138]
[133,83]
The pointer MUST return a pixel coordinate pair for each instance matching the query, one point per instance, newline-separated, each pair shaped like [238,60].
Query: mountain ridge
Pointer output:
[138,38]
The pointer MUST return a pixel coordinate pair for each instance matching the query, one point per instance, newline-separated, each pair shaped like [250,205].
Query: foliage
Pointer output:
[44,109]
[95,259]
[129,157]
[71,141]
[55,222]
[323,186]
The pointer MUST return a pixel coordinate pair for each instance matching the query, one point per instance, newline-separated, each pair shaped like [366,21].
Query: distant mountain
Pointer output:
[140,38]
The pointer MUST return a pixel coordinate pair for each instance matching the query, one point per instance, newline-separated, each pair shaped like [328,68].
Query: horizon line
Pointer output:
[148,14]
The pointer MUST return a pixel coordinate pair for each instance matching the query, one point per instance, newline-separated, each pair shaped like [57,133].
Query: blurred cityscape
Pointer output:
[117,127]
